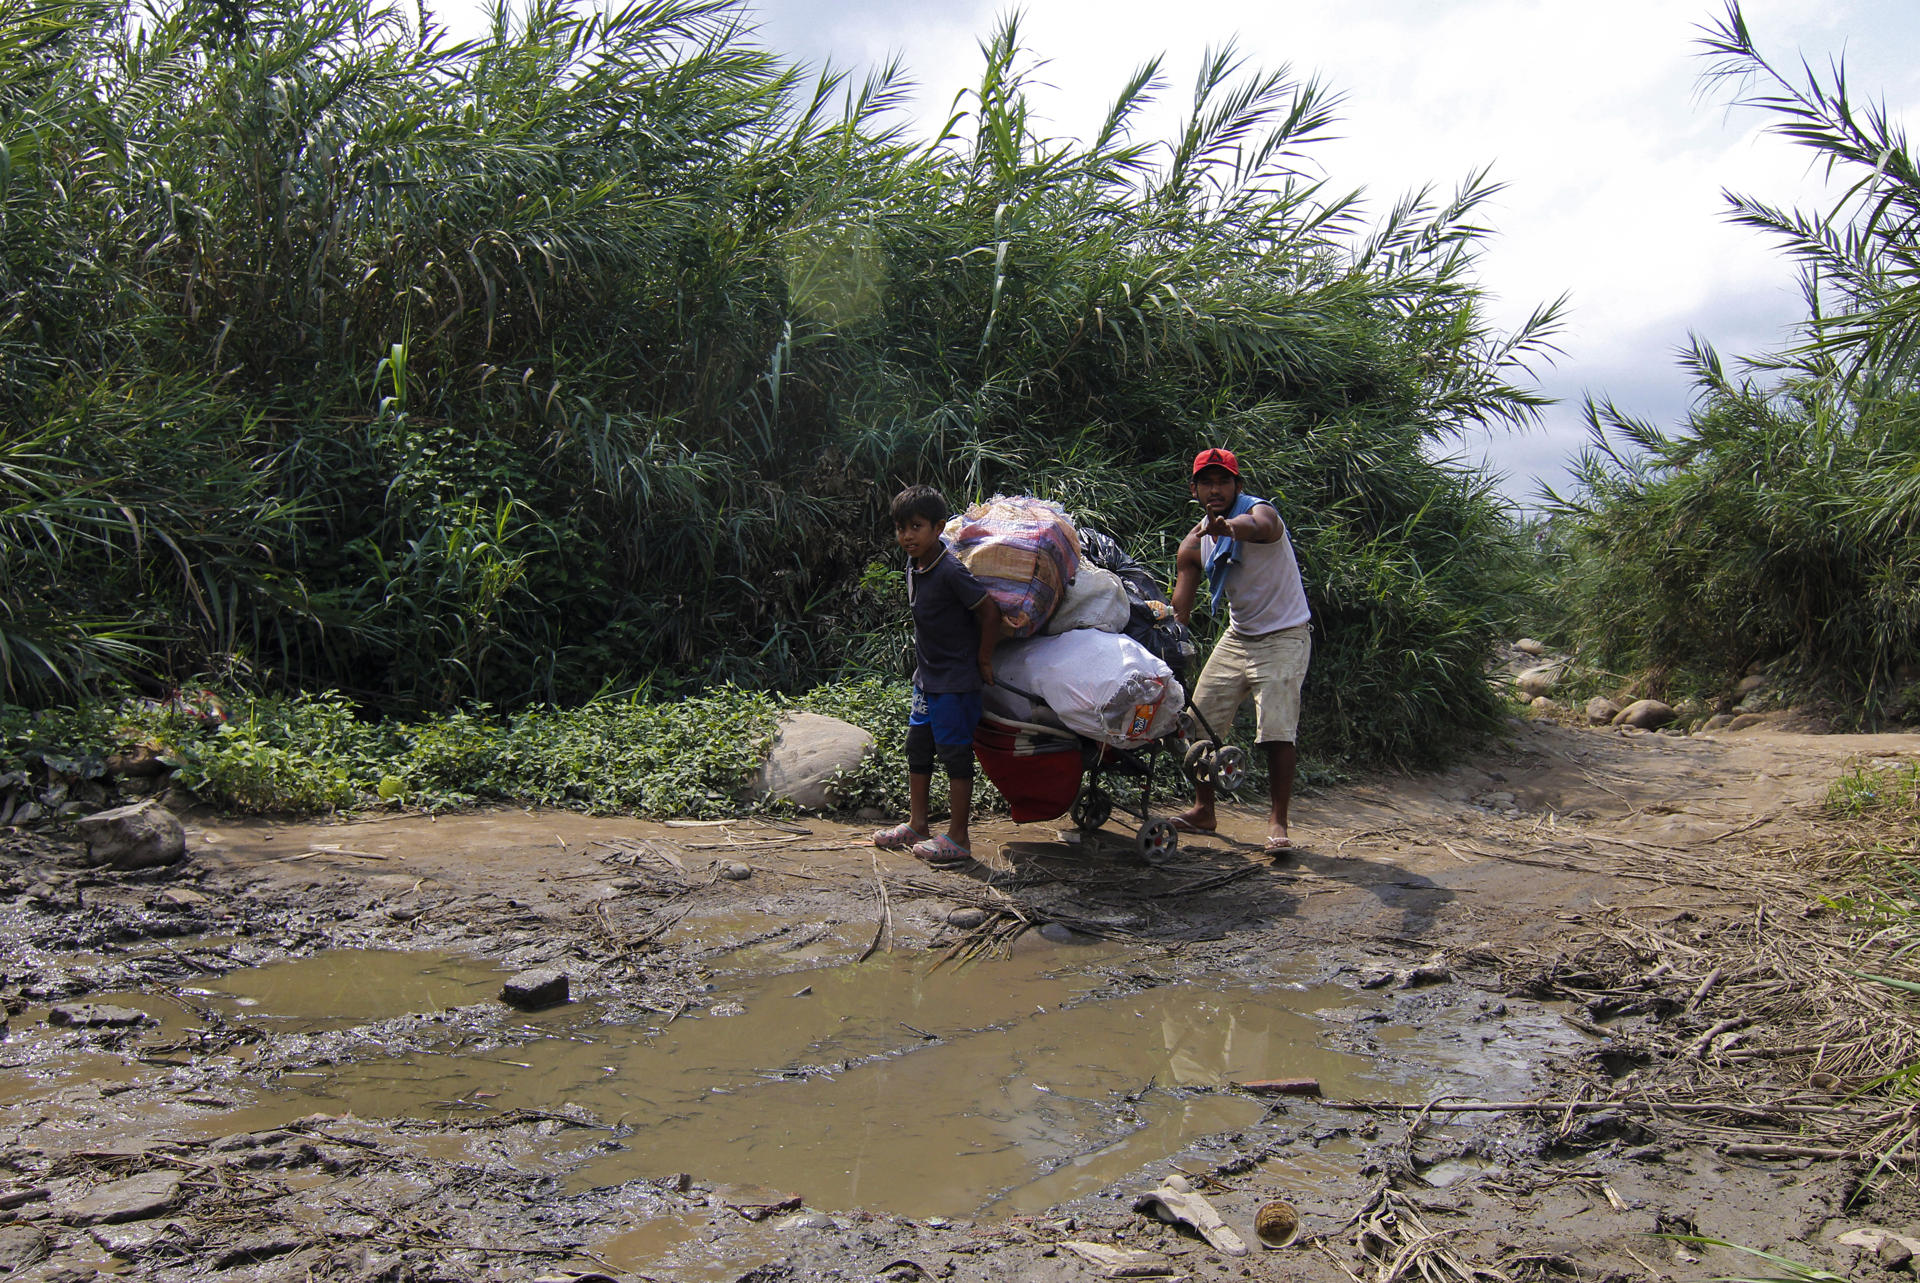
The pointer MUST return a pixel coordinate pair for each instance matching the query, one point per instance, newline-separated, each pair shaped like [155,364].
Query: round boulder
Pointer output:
[137,836]
[808,752]
[1601,711]
[1645,714]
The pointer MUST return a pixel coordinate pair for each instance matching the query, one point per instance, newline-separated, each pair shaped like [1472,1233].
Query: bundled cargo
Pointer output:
[1095,599]
[1026,553]
[1150,619]
[1105,686]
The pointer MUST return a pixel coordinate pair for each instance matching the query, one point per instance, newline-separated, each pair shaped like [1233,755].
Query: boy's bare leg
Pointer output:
[1281,760]
[919,790]
[962,808]
[1199,817]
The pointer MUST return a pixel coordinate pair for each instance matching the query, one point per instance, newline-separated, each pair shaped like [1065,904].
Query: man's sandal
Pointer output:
[900,835]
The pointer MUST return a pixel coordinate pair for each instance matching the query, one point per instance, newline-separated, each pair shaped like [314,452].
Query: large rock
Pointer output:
[1601,711]
[808,752]
[138,836]
[1646,714]
[1538,680]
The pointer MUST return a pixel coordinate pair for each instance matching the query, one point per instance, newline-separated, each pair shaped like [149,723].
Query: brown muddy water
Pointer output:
[895,1085]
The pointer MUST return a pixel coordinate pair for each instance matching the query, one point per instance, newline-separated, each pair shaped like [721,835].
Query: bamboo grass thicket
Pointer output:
[337,354]
[1776,526]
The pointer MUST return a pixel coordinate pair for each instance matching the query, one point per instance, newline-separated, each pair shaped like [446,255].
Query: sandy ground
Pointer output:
[1476,907]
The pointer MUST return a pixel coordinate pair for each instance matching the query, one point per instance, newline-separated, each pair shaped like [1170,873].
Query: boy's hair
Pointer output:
[920,501]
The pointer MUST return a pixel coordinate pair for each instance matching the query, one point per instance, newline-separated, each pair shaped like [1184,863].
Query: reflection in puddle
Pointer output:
[887,1085]
[345,987]
[1010,1085]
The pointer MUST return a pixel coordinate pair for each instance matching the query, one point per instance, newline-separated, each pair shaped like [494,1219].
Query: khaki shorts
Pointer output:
[1271,667]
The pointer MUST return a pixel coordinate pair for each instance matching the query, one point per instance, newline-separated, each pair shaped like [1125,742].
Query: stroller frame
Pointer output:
[1203,759]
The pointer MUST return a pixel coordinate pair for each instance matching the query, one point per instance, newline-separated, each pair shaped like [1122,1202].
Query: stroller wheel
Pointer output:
[1157,839]
[1091,809]
[1229,769]
[1196,764]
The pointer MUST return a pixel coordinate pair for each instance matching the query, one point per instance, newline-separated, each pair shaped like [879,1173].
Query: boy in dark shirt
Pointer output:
[955,625]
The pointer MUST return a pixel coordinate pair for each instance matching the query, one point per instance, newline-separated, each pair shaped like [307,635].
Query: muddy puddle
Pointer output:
[895,1085]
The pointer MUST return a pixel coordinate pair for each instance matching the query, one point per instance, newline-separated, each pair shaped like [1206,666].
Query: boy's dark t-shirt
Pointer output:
[946,632]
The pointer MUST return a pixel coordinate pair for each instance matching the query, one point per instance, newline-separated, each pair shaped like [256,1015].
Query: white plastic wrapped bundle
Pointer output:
[1095,599]
[1105,686]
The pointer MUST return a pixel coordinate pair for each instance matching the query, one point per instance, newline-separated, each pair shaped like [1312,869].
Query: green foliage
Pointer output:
[588,354]
[1891,792]
[1777,524]
[316,753]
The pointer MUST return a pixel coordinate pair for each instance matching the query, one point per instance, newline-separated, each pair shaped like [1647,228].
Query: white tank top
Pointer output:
[1263,588]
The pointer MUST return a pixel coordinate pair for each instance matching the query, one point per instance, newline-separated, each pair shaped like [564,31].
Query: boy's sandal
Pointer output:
[942,850]
[898,836]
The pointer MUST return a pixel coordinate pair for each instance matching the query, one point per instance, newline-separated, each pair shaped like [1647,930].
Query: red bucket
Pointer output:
[1037,772]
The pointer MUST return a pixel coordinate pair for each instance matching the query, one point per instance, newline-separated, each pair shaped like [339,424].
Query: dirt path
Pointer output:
[1540,924]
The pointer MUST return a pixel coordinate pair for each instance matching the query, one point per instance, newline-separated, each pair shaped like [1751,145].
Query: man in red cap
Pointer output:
[1241,548]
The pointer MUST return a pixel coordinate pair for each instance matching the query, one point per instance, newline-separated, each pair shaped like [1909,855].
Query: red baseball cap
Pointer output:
[1214,457]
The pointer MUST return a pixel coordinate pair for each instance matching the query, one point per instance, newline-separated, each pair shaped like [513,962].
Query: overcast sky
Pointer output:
[1593,115]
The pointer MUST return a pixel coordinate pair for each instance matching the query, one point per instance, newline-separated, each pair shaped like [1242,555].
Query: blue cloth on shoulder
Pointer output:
[1226,552]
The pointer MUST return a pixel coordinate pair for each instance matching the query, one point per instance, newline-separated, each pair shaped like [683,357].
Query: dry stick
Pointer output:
[886,914]
[1586,1106]
[1706,987]
[1751,824]
[1814,1151]
[1698,1047]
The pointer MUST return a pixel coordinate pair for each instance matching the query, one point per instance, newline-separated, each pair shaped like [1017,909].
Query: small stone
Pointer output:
[1431,972]
[967,918]
[1538,680]
[1057,932]
[1893,1254]
[22,1246]
[807,1221]
[734,871]
[179,898]
[136,1238]
[542,987]
[140,761]
[1528,646]
[1376,979]
[1601,711]
[135,1199]
[96,1015]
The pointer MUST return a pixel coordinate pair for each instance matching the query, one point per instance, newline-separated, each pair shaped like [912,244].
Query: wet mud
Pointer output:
[786,1055]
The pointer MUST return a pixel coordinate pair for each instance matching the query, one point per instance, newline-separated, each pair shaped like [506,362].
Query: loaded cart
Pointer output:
[1046,770]
[1087,697]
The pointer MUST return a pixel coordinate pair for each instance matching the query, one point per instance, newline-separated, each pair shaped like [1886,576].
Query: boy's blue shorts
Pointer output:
[951,715]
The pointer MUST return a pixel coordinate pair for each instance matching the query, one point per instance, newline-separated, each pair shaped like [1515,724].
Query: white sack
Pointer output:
[1095,599]
[1105,686]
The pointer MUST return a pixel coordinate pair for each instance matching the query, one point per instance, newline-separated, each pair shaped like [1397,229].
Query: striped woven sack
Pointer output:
[1024,550]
